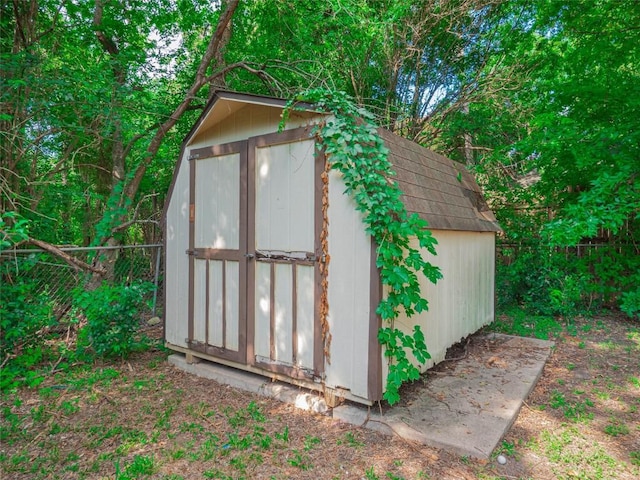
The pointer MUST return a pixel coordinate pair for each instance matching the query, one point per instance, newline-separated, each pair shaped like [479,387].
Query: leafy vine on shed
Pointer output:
[353,147]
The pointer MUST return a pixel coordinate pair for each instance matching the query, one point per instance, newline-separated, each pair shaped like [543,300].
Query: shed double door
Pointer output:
[254,251]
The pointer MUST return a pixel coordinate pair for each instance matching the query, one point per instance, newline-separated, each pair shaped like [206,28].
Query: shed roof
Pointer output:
[439,190]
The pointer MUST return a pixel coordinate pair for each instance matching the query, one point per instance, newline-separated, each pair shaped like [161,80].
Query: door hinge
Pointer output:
[192,212]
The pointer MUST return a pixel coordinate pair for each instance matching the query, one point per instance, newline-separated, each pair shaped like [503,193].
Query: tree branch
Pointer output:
[199,81]
[74,262]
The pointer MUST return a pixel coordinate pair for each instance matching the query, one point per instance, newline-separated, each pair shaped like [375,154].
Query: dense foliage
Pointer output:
[541,99]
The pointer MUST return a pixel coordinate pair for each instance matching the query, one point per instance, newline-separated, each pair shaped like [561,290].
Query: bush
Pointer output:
[630,303]
[25,315]
[562,282]
[113,318]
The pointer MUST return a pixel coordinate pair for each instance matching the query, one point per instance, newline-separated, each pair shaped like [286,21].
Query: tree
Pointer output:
[564,158]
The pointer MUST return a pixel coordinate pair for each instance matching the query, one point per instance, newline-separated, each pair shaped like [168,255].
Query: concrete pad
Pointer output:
[251,382]
[465,406]
[469,406]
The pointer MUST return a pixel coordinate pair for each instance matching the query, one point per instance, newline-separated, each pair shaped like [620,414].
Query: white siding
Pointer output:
[248,121]
[199,300]
[176,259]
[349,292]
[215,303]
[463,301]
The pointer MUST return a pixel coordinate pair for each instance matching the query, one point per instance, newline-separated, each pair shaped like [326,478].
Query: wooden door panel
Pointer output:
[200,302]
[217,205]
[305,318]
[284,207]
[284,181]
[283,327]
[218,245]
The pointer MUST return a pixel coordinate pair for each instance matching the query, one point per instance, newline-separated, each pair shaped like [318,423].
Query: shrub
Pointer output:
[630,303]
[113,318]
[564,282]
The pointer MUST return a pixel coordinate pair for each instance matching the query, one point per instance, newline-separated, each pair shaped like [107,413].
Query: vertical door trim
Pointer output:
[319,341]
[250,249]
[190,252]
[374,361]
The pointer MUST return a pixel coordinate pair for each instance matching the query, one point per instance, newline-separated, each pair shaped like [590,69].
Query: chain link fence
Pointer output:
[56,279]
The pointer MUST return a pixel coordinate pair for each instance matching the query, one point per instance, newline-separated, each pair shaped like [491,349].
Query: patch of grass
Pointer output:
[209,448]
[370,474]
[141,465]
[300,460]
[350,440]
[69,407]
[393,476]
[216,474]
[520,323]
[284,436]
[569,447]
[575,411]
[132,440]
[616,428]
[87,376]
[190,427]
[310,441]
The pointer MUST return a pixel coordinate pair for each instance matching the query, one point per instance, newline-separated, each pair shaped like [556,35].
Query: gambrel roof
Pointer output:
[438,189]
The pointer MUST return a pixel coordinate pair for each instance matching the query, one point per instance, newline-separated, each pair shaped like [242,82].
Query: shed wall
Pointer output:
[176,308]
[248,121]
[463,300]
[349,292]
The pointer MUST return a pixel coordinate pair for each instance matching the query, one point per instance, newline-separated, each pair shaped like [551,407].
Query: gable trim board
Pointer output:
[249,292]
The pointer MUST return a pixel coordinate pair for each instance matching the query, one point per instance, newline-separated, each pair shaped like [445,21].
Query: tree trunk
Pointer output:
[106,259]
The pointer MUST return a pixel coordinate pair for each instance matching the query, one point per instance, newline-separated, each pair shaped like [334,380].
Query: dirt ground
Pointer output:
[146,419]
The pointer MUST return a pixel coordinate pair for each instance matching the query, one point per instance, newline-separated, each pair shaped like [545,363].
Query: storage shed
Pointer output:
[245,279]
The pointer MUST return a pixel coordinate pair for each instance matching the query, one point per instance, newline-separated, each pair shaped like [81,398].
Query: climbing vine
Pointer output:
[353,147]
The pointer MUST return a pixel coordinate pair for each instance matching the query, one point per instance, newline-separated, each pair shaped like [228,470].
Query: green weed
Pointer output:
[140,466]
[309,442]
[370,474]
[616,428]
[300,460]
[350,440]
[508,448]
[576,411]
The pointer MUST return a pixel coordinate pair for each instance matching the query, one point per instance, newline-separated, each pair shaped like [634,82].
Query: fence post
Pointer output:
[155,282]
